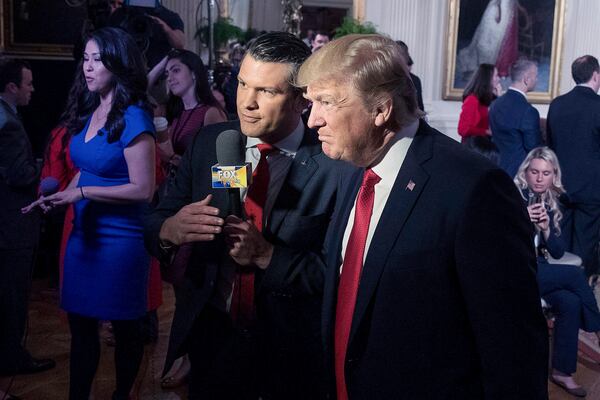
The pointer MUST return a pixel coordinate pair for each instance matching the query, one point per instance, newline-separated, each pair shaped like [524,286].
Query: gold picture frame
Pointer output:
[40,28]
[475,35]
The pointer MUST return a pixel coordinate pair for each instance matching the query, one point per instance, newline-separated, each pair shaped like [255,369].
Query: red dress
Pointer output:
[509,49]
[58,164]
[474,119]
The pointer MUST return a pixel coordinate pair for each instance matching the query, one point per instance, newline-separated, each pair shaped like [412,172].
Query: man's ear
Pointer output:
[383,112]
[300,103]
[11,87]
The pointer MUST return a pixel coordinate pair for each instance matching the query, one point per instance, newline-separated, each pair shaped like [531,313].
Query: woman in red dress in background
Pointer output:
[58,164]
[482,89]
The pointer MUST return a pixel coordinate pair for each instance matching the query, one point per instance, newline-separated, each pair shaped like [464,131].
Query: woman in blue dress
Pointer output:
[565,287]
[106,264]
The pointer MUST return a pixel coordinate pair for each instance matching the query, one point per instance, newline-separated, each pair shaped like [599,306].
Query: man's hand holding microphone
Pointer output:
[200,222]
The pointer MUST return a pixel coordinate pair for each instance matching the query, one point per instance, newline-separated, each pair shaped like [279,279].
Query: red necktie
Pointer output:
[257,192]
[350,277]
[242,302]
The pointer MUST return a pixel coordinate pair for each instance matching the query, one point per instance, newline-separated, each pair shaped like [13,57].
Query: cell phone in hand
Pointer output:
[534,198]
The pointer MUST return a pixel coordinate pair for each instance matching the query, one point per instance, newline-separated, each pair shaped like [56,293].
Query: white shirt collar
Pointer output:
[587,86]
[289,144]
[387,169]
[517,90]
[12,106]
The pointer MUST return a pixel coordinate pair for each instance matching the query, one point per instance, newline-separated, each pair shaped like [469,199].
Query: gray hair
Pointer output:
[520,68]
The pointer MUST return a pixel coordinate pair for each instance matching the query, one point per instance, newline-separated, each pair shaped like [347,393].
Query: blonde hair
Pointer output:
[376,68]
[550,197]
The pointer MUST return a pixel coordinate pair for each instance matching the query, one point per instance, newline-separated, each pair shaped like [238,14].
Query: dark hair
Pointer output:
[404,47]
[583,68]
[483,146]
[69,113]
[203,90]
[322,33]
[480,85]
[11,70]
[121,56]
[280,47]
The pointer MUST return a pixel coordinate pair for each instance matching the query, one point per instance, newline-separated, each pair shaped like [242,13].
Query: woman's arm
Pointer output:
[43,202]
[74,181]
[176,37]
[542,221]
[554,244]
[156,72]
[140,158]
[470,118]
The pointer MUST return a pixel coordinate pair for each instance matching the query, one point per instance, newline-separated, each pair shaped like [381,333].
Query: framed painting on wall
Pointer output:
[41,28]
[499,32]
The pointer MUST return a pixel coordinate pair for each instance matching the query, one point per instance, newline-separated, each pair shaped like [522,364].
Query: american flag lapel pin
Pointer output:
[410,186]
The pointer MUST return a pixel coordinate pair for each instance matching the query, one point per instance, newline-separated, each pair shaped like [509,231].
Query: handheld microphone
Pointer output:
[231,172]
[49,186]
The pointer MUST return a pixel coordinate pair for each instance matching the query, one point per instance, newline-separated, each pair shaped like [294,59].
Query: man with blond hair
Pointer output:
[430,290]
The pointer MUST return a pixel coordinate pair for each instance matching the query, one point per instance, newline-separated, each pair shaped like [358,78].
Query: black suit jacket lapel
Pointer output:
[409,184]
[302,168]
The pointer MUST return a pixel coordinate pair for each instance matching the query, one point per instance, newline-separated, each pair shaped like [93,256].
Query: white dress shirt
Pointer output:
[518,91]
[387,169]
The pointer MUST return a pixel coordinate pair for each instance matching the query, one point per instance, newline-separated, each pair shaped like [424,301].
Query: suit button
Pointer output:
[212,283]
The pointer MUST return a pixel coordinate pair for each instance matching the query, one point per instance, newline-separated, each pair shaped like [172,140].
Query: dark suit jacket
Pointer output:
[515,128]
[574,134]
[289,291]
[19,174]
[448,305]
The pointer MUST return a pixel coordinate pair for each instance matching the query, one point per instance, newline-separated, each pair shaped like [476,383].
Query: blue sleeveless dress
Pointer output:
[106,264]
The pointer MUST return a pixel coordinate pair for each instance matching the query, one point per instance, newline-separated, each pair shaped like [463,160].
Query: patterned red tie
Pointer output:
[350,277]
[242,301]
[257,192]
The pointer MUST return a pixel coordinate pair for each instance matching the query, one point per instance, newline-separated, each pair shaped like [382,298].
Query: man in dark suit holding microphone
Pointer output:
[248,308]
[430,290]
